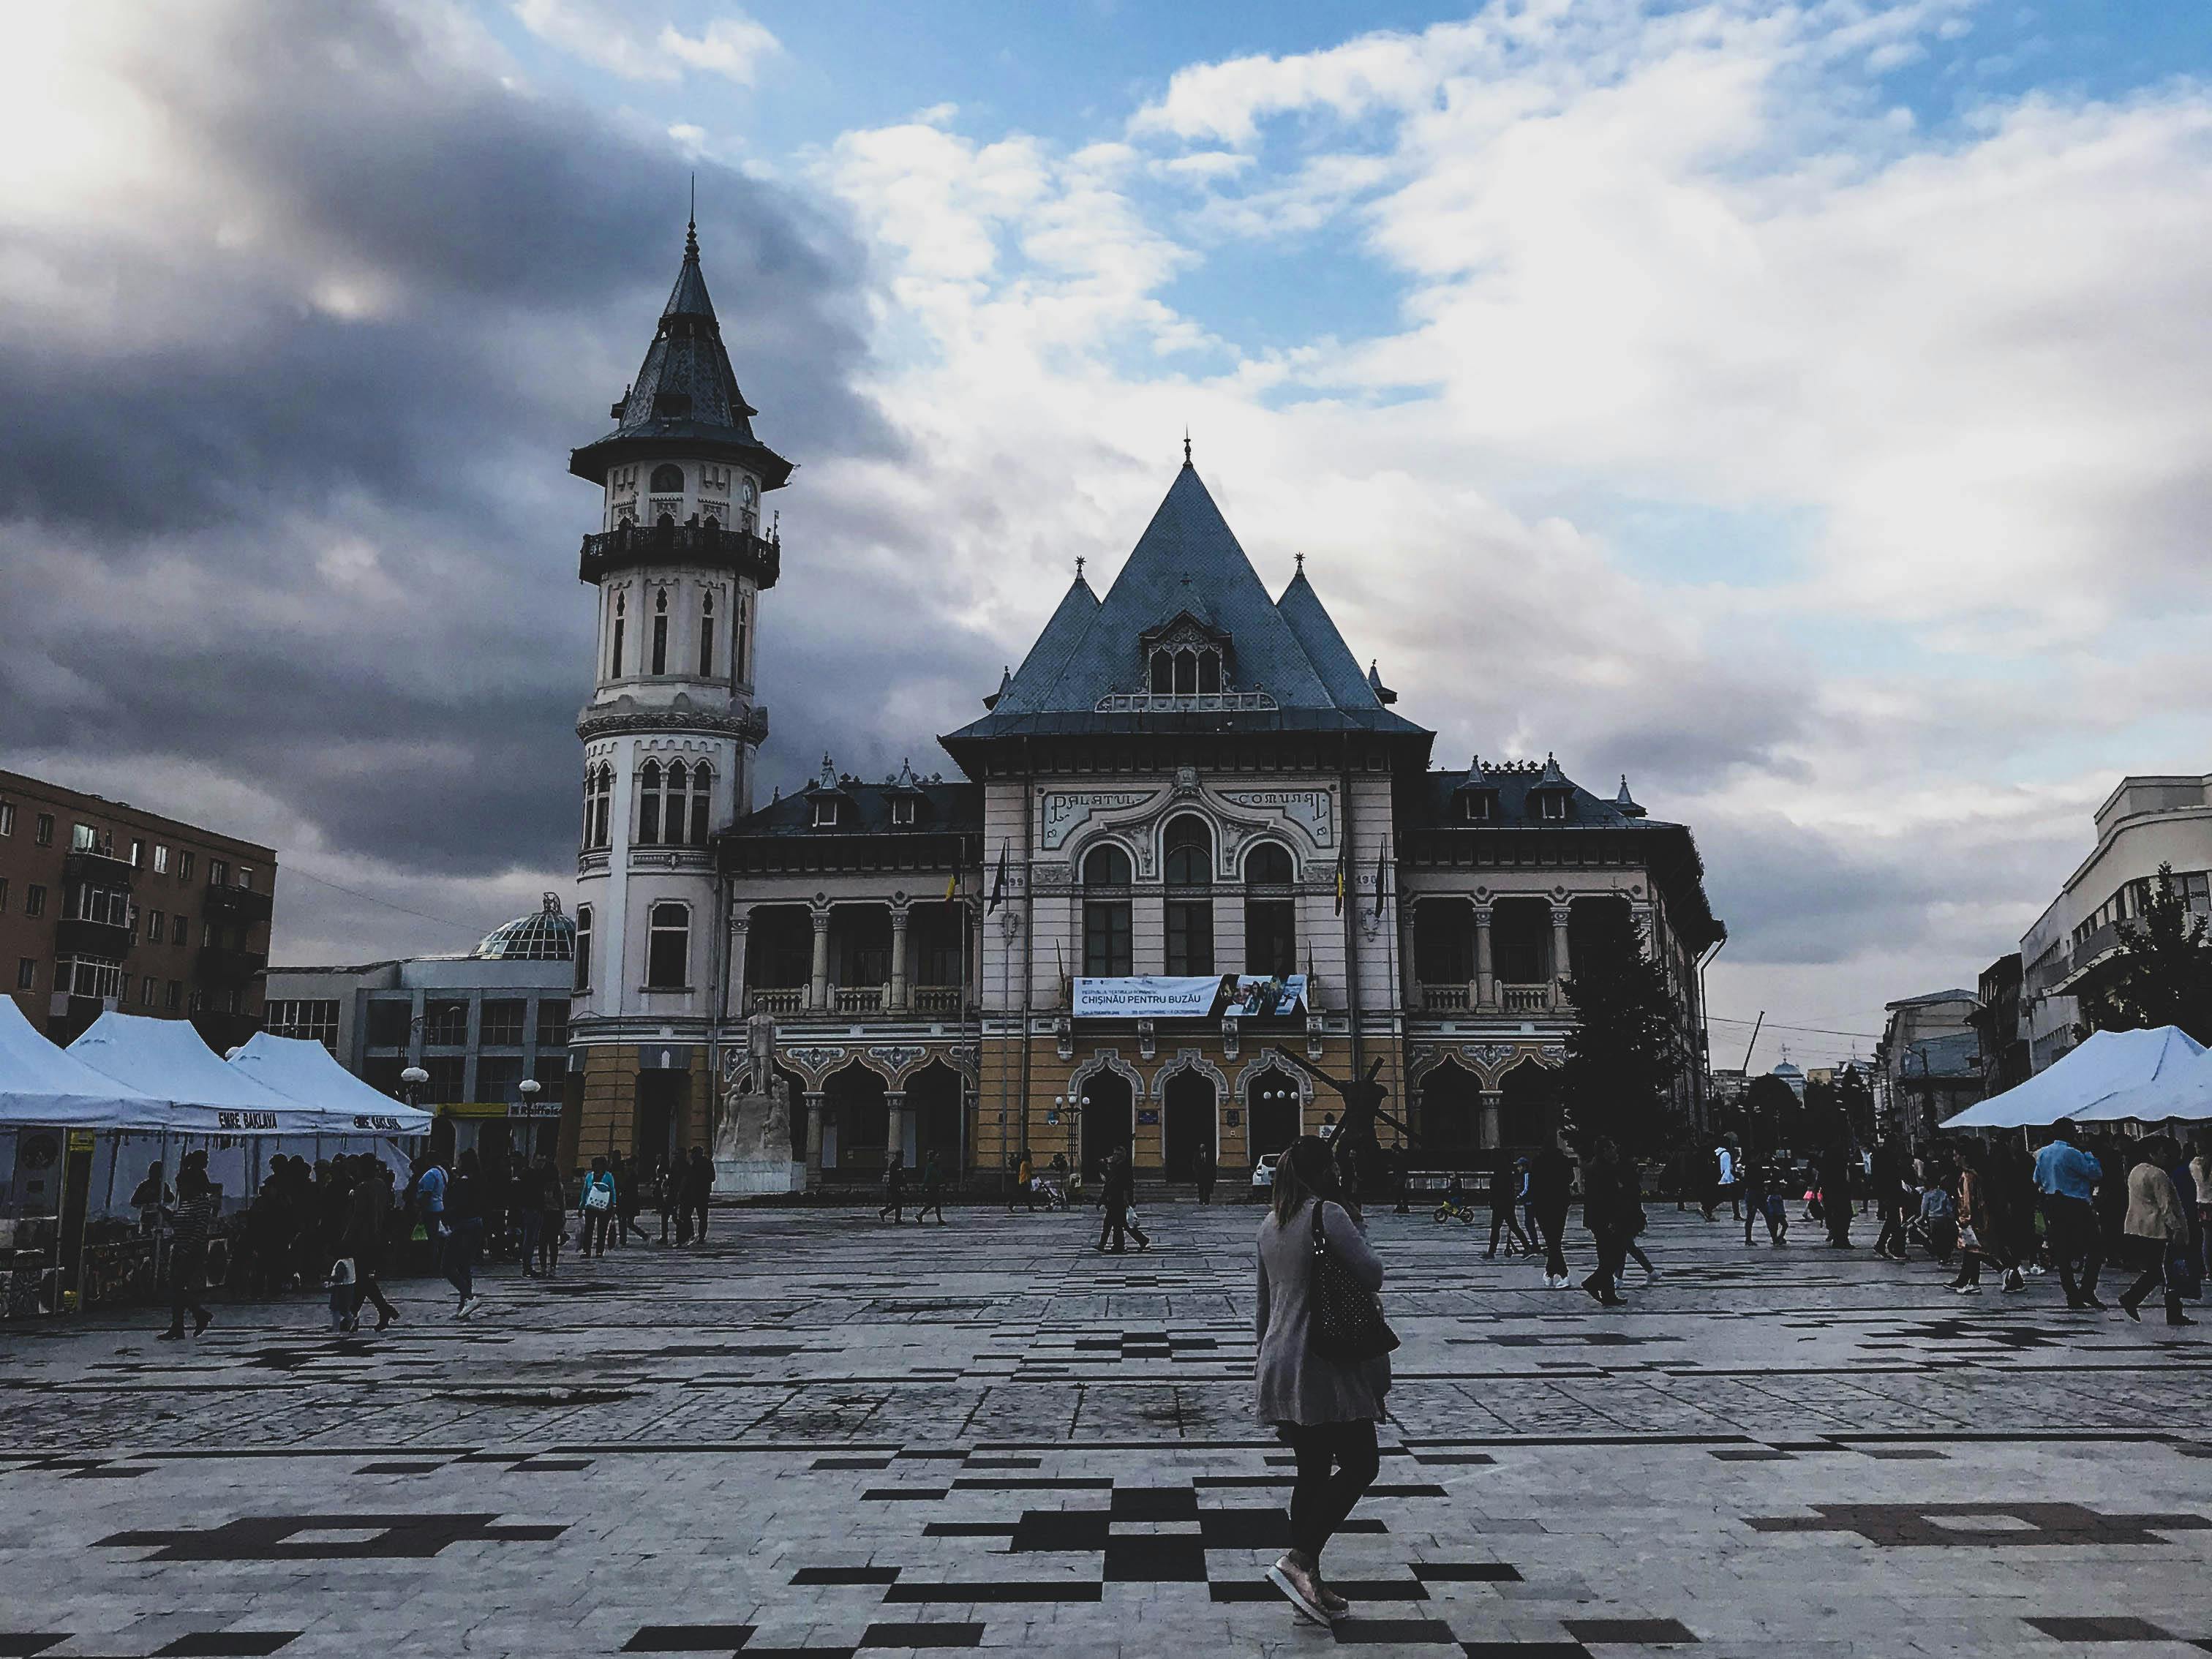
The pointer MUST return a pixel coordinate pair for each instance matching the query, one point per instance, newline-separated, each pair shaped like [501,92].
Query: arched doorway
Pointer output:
[1451,1118]
[934,1105]
[1270,1109]
[1188,1124]
[856,1124]
[1109,1112]
[1527,1106]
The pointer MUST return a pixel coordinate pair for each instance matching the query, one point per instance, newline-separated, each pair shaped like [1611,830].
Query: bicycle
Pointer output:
[1462,1214]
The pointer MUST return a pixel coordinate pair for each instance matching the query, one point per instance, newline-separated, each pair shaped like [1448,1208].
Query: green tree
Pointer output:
[1773,1116]
[2161,974]
[1627,1049]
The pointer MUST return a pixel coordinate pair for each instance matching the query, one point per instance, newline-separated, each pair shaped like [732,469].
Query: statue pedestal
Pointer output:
[752,1177]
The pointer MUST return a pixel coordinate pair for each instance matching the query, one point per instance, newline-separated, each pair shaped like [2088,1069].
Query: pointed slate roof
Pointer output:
[685,398]
[1092,649]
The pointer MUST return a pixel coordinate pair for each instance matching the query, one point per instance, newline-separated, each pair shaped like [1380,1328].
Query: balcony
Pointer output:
[739,551]
[101,869]
[224,903]
[1184,703]
[780,1000]
[1525,998]
[102,940]
[937,999]
[859,999]
[220,965]
[1451,999]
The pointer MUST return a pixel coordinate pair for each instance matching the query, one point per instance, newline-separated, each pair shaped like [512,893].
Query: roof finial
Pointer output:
[1186,446]
[1078,567]
[691,227]
[1301,562]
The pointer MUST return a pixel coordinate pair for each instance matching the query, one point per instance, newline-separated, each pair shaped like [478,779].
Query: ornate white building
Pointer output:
[1186,779]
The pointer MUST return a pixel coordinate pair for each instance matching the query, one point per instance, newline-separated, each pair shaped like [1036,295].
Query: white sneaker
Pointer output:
[2038,1271]
[2012,1282]
[468,1307]
[1968,1290]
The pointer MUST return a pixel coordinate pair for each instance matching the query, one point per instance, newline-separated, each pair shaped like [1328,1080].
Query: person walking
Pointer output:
[1504,1191]
[2188,1253]
[1024,1186]
[667,1205]
[1604,1216]
[1978,1223]
[189,1224]
[697,1187]
[1118,1190]
[1551,1188]
[933,1191]
[595,1209]
[464,1222]
[2157,1226]
[1634,1221]
[2067,1178]
[1204,1172]
[552,1216]
[1837,1168]
[630,1198]
[368,1222]
[1325,1409]
[1886,1173]
[894,1207]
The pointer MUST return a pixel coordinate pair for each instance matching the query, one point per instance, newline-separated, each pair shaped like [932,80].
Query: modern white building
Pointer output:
[2144,823]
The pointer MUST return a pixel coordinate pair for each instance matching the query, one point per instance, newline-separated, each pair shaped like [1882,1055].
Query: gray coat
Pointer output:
[1297,1385]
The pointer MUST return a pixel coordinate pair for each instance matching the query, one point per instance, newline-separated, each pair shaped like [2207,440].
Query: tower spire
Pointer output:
[1186,446]
[692,223]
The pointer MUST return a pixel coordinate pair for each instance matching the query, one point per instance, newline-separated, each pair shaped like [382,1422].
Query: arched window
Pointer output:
[1209,671]
[1188,845]
[1189,848]
[1108,947]
[737,640]
[1163,672]
[703,799]
[1186,670]
[707,634]
[667,480]
[1271,932]
[583,947]
[648,805]
[614,657]
[668,946]
[660,631]
[602,805]
[1106,866]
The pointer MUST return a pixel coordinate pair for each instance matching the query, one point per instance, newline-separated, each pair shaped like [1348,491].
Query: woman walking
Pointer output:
[595,1206]
[1324,1408]
[1977,1226]
[552,1196]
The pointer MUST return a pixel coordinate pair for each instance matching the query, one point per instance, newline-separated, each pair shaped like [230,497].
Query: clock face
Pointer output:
[747,492]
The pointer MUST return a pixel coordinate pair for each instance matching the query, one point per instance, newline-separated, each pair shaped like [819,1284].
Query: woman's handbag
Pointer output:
[1344,1318]
[596,1198]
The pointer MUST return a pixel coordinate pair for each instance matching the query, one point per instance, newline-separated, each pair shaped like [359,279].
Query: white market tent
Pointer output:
[2098,1082]
[2182,1092]
[303,1069]
[166,1059]
[42,1084]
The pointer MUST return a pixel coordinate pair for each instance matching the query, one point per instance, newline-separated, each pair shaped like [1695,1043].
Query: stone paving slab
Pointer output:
[819,1434]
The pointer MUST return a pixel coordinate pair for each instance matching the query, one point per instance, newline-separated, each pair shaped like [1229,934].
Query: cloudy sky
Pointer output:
[1802,409]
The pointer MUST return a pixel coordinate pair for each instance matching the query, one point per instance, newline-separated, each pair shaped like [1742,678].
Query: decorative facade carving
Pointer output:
[1189,1059]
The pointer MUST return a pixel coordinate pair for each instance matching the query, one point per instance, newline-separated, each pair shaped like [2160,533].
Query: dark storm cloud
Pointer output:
[302,521]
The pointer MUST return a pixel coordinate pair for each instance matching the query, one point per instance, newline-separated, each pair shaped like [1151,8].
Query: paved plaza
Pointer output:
[822,1434]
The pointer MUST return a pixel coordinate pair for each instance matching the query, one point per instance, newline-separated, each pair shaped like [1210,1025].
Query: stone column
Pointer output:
[1492,1120]
[895,1121]
[1561,967]
[1485,980]
[813,1098]
[817,979]
[733,1004]
[898,991]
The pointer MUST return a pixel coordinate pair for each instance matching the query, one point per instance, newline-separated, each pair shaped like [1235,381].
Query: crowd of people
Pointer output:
[345,1223]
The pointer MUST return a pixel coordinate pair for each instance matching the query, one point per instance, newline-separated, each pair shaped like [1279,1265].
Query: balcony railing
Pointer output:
[716,547]
[1184,703]
[937,999]
[222,966]
[781,999]
[101,869]
[1524,999]
[859,999]
[106,940]
[1445,998]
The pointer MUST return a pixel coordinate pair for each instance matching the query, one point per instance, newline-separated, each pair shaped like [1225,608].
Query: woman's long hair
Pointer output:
[1303,1172]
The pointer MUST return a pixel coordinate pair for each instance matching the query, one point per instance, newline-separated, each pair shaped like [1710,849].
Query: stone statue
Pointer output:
[752,1131]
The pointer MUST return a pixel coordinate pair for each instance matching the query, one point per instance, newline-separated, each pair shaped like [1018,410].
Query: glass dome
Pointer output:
[545,935]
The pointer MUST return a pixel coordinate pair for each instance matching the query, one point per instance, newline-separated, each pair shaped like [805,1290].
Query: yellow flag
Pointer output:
[952,882]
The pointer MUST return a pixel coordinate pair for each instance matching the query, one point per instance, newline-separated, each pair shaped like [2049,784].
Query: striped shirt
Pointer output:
[192,1219]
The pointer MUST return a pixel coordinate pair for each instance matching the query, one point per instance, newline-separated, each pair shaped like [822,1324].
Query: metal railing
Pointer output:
[1183,702]
[780,1000]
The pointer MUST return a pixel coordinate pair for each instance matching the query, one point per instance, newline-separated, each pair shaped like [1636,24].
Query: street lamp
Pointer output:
[529,1089]
[412,1079]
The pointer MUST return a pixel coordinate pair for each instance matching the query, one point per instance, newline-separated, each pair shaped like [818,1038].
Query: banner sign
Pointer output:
[1209,996]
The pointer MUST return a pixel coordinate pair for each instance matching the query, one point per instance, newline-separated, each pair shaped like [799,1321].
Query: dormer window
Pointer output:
[902,809]
[1552,806]
[1185,670]
[825,814]
[1477,806]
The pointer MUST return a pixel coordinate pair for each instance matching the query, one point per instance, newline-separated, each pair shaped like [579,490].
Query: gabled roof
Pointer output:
[686,393]
[1188,561]
[943,808]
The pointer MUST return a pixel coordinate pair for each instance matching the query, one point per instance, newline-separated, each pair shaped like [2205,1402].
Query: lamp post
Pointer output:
[529,1089]
[412,1080]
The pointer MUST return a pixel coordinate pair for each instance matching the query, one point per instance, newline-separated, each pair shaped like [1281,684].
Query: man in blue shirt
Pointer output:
[2067,1178]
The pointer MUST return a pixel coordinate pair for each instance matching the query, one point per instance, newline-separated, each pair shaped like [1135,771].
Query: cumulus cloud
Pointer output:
[613,38]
